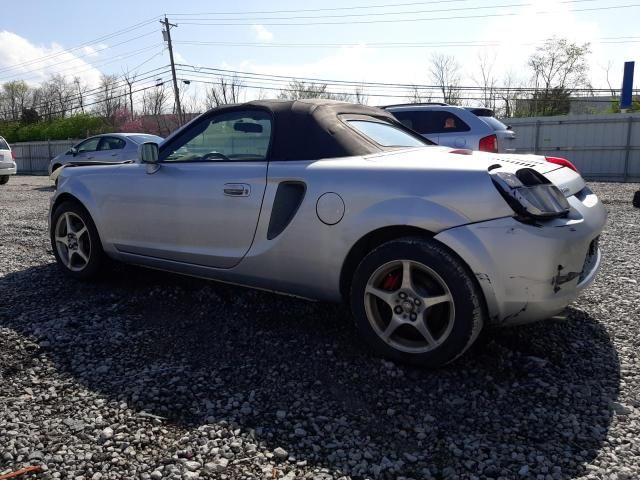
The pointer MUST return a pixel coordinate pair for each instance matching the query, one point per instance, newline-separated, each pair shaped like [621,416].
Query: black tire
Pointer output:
[4,179]
[96,256]
[465,320]
[636,199]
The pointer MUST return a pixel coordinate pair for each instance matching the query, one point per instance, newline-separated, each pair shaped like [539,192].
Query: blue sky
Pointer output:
[32,29]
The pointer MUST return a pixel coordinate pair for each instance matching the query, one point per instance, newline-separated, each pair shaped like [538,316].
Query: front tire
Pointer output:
[4,179]
[414,302]
[75,241]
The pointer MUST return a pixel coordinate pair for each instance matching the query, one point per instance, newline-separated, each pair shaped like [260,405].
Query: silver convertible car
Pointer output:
[341,202]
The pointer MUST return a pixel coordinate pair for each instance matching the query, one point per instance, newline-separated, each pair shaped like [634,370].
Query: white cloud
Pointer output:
[521,34]
[29,65]
[262,34]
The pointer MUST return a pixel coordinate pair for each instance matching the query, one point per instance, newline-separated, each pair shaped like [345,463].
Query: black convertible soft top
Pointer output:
[312,129]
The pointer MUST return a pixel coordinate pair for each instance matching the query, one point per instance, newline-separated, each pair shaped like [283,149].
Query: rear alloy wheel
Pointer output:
[75,241]
[4,179]
[414,302]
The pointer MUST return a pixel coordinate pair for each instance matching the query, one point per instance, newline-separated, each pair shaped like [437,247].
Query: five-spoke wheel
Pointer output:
[75,241]
[409,306]
[415,302]
[72,241]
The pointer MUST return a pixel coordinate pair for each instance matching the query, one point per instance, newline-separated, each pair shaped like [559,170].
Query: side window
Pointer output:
[447,122]
[236,136]
[111,143]
[89,145]
[421,121]
[407,119]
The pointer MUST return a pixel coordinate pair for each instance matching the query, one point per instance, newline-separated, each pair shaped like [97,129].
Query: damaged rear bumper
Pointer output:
[532,272]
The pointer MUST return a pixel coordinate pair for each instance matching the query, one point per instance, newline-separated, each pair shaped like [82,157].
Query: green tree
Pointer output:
[558,68]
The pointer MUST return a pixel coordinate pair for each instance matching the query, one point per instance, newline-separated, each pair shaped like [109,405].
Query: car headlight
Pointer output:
[530,194]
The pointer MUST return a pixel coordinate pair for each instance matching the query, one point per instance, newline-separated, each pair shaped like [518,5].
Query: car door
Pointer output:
[109,149]
[201,203]
[86,151]
[451,129]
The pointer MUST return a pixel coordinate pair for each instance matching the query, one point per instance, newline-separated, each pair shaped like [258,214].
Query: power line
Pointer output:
[113,98]
[314,9]
[403,20]
[117,85]
[351,83]
[91,65]
[69,50]
[478,98]
[376,45]
[375,14]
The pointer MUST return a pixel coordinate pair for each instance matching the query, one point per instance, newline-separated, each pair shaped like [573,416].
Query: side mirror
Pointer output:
[148,152]
[72,151]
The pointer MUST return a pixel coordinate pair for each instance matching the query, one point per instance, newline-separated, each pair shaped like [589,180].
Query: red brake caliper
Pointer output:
[391,282]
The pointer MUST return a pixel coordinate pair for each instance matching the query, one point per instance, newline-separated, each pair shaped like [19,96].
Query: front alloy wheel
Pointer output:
[415,302]
[72,241]
[75,241]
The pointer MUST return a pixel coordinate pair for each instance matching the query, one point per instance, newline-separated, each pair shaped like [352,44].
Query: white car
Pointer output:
[7,162]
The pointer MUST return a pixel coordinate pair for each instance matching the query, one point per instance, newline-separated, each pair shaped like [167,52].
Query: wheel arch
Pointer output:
[370,241]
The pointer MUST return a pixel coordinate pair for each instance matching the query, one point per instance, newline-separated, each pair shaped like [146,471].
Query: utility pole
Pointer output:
[167,36]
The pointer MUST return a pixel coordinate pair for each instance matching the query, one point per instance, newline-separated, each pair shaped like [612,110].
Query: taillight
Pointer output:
[13,155]
[563,162]
[489,144]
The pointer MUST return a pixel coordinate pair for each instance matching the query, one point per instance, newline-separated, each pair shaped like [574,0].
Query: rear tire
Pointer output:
[414,302]
[636,199]
[75,241]
[4,179]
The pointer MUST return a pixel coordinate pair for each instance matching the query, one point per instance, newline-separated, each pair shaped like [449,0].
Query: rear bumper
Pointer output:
[532,272]
[8,169]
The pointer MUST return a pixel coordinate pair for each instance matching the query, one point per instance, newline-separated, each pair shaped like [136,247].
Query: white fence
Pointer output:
[603,147]
[32,158]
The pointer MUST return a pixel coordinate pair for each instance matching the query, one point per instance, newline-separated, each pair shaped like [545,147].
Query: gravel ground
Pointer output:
[150,375]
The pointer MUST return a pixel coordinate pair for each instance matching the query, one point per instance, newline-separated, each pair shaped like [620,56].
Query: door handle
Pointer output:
[237,189]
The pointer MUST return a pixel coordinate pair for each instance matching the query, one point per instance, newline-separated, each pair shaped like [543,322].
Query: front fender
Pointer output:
[72,187]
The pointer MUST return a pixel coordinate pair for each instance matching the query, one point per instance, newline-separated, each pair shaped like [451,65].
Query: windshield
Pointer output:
[386,134]
[494,123]
[142,138]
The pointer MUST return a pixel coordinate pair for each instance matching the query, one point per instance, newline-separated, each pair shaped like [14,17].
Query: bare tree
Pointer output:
[558,68]
[46,102]
[224,92]
[297,90]
[606,71]
[154,104]
[419,95]
[360,97]
[109,97]
[130,79]
[509,94]
[445,74]
[486,80]
[80,92]
[62,92]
